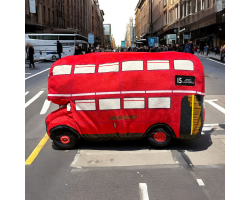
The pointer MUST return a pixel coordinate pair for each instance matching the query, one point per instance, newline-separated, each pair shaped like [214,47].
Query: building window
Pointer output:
[48,16]
[53,17]
[164,3]
[44,12]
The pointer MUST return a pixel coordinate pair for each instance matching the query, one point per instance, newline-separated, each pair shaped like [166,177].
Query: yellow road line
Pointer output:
[192,114]
[36,151]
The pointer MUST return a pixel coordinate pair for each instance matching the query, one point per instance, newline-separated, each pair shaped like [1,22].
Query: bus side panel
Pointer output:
[108,82]
[83,83]
[86,120]
[133,81]
[107,121]
[59,84]
[164,77]
[133,120]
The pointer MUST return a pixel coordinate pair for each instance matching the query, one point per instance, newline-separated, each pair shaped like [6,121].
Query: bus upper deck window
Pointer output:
[183,65]
[84,69]
[158,65]
[109,67]
[62,69]
[132,65]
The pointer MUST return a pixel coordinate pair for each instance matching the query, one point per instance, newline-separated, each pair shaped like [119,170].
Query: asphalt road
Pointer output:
[128,170]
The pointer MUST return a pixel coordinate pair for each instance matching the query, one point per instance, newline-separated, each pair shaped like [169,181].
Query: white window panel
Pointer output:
[62,69]
[85,104]
[131,103]
[183,65]
[109,67]
[132,65]
[109,104]
[84,69]
[158,64]
[159,102]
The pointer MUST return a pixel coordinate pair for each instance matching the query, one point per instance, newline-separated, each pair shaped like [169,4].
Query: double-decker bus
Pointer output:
[45,44]
[127,94]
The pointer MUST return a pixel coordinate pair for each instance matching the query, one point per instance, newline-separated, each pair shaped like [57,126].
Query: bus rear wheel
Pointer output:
[158,137]
[64,139]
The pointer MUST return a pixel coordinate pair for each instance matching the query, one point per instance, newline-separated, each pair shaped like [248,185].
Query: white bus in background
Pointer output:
[45,45]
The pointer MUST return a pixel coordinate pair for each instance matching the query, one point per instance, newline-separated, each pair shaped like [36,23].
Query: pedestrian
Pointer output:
[181,48]
[31,57]
[207,49]
[189,47]
[59,48]
[202,49]
[27,50]
[77,51]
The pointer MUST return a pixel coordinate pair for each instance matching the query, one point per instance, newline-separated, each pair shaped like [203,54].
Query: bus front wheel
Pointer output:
[65,139]
[158,137]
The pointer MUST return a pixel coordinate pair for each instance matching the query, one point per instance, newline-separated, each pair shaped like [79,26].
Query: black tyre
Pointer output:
[64,139]
[53,58]
[159,137]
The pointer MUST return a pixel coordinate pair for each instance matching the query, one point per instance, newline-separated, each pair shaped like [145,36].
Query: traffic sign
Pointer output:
[91,38]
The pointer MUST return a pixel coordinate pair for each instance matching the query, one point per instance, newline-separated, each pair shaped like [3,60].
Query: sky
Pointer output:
[117,13]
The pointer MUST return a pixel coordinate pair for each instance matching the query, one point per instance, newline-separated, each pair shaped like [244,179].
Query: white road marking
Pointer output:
[37,73]
[45,107]
[33,99]
[27,73]
[26,93]
[209,127]
[200,182]
[216,61]
[215,105]
[143,191]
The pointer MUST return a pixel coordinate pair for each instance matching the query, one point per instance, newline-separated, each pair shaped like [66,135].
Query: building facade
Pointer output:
[107,32]
[65,16]
[178,21]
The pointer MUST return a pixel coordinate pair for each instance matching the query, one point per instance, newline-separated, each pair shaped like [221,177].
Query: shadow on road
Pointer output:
[200,144]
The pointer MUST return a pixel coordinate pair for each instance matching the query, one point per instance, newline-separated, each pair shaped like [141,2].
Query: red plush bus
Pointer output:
[128,94]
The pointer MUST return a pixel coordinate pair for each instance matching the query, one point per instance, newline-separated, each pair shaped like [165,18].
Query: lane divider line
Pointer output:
[215,105]
[143,191]
[36,151]
[33,99]
[26,93]
[45,107]
[37,73]
[216,61]
[200,182]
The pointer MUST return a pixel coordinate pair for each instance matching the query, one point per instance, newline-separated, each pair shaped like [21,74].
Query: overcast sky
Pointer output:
[117,13]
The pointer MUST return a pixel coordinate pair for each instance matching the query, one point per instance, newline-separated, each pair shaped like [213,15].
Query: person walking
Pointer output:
[31,57]
[27,50]
[189,47]
[202,49]
[59,48]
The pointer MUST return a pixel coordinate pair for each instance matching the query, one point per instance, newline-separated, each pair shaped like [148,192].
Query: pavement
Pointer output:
[211,55]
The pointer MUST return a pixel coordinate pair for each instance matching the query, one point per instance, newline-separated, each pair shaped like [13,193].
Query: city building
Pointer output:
[65,16]
[107,33]
[130,33]
[178,21]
